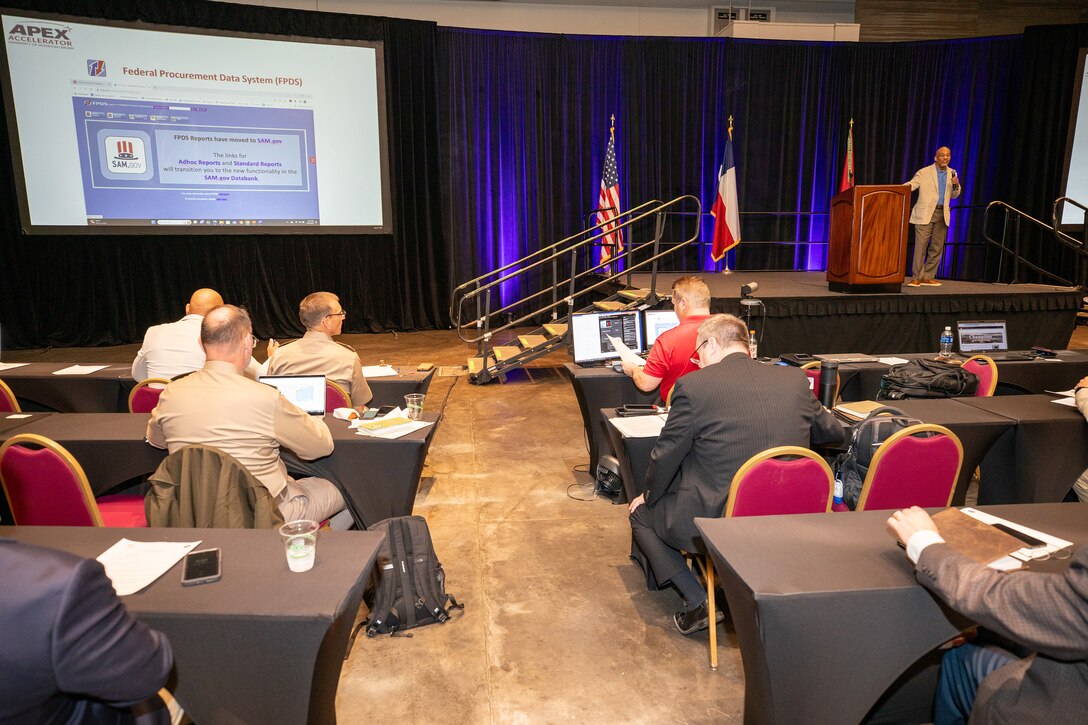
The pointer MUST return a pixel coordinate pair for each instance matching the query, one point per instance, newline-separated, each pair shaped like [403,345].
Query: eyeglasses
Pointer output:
[694,359]
[252,340]
[341,314]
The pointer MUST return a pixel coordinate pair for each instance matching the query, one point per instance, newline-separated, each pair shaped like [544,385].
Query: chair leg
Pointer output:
[713,613]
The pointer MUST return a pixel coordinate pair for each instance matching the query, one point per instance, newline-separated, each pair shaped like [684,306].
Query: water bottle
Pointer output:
[753,346]
[829,379]
[946,342]
[836,501]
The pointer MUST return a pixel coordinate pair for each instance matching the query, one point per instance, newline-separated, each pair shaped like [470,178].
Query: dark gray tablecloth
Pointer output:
[598,388]
[106,391]
[827,611]
[263,645]
[1039,459]
[11,421]
[379,477]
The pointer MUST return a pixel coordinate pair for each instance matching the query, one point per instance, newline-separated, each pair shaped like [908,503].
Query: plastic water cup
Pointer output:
[300,542]
[414,403]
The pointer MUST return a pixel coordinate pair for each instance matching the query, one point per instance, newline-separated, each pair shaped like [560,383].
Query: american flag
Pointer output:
[608,205]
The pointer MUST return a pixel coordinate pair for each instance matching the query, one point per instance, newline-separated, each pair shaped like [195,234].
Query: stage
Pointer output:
[800,314]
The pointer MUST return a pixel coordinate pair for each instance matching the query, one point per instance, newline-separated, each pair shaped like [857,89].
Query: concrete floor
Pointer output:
[558,625]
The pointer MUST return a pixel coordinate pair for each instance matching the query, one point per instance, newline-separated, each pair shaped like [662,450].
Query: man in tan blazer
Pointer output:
[1043,613]
[937,185]
[317,353]
[217,406]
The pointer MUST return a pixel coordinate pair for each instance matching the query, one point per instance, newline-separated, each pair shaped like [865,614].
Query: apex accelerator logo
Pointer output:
[126,154]
[96,68]
[37,33]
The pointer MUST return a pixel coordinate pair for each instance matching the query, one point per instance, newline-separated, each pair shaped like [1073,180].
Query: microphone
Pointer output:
[749,289]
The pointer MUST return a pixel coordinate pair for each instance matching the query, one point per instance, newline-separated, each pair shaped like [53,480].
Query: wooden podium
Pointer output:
[868,247]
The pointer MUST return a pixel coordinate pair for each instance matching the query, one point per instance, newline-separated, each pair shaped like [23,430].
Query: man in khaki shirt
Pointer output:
[317,353]
[218,406]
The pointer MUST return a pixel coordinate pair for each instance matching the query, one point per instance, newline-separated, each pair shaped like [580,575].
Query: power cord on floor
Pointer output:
[583,486]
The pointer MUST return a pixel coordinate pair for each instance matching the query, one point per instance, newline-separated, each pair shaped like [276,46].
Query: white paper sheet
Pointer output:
[133,565]
[1067,393]
[379,371]
[11,366]
[80,369]
[1068,402]
[640,426]
[893,360]
[395,431]
[17,416]
[625,352]
[1054,545]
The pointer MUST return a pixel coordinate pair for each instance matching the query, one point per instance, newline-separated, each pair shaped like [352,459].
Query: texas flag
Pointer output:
[726,211]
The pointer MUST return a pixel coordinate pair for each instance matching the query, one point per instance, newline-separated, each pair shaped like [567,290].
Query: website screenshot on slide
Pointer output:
[196,163]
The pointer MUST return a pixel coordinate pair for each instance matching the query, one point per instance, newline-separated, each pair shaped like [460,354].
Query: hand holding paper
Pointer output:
[625,352]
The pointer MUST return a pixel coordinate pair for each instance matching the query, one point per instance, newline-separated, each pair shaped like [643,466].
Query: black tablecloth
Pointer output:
[827,611]
[602,387]
[379,477]
[106,391]
[264,644]
[1038,460]
[11,421]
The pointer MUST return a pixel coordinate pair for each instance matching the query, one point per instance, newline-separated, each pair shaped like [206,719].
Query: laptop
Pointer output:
[656,322]
[304,391]
[990,338]
[847,357]
[590,332]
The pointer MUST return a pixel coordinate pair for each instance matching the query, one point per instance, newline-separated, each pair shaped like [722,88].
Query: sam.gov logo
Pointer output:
[126,154]
[37,33]
[96,68]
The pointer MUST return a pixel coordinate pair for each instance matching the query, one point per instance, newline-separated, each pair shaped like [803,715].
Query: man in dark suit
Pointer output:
[721,415]
[69,650]
[1045,613]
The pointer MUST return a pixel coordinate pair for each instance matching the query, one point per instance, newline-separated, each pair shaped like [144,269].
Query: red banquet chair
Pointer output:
[46,486]
[8,402]
[916,466]
[812,371]
[986,370]
[336,396]
[145,396]
[782,480]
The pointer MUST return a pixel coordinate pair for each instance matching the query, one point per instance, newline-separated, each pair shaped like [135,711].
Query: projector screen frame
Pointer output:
[19,177]
[1078,94]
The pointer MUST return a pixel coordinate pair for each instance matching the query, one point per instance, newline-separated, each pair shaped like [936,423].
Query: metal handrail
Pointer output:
[1058,233]
[478,289]
[1017,259]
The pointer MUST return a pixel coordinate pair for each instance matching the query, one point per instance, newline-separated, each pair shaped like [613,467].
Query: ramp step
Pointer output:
[505,352]
[610,305]
[556,329]
[634,294]
[476,364]
[531,340]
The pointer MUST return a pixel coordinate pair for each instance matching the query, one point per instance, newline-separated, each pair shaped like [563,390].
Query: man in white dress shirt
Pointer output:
[174,348]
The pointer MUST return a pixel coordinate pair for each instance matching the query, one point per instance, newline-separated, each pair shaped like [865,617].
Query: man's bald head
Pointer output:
[203,300]
[942,157]
[226,334]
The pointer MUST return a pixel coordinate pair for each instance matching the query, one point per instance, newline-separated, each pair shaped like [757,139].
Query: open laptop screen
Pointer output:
[590,332]
[982,336]
[658,321]
[305,391]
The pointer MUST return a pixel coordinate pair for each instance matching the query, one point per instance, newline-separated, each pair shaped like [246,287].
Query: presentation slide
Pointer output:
[1076,169]
[124,129]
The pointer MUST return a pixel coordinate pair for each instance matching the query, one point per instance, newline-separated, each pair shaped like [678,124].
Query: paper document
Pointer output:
[133,565]
[1067,393]
[625,352]
[379,371]
[80,369]
[11,366]
[1069,402]
[17,416]
[397,430]
[893,360]
[1054,545]
[640,426]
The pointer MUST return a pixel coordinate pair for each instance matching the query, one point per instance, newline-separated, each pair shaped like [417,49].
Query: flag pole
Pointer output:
[725,269]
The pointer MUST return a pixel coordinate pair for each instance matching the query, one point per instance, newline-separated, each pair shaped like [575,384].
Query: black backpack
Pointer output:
[921,378]
[866,436]
[408,588]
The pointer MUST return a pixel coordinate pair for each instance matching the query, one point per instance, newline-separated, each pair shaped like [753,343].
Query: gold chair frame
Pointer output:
[69,460]
[143,384]
[898,435]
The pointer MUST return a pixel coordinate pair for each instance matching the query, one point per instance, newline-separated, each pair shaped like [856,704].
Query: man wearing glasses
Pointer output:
[722,414]
[317,353]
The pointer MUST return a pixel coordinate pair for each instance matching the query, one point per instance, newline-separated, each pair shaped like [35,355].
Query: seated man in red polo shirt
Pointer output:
[672,352]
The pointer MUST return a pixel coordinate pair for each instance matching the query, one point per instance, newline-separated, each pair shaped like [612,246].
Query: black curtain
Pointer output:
[84,290]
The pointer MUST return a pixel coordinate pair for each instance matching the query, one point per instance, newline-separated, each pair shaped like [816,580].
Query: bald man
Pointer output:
[174,348]
[937,186]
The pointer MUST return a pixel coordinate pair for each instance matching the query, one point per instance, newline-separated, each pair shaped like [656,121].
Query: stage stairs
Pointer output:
[563,280]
